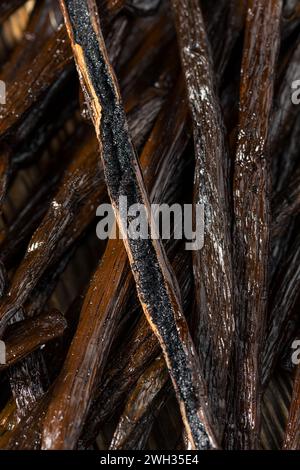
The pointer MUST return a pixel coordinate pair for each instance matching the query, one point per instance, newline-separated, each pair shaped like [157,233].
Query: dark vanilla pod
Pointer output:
[251,190]
[213,263]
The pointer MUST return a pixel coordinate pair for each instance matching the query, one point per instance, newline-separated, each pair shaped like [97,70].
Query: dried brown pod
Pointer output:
[252,214]
[212,264]
[24,337]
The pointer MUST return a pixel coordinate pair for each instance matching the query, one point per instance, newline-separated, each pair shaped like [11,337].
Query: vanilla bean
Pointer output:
[251,210]
[150,160]
[24,337]
[212,264]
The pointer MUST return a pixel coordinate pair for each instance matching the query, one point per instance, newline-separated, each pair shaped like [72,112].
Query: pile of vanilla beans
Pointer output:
[138,344]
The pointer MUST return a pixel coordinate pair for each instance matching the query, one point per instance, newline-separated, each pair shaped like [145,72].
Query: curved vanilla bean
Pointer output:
[292,435]
[141,408]
[160,302]
[251,210]
[212,264]
[25,337]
